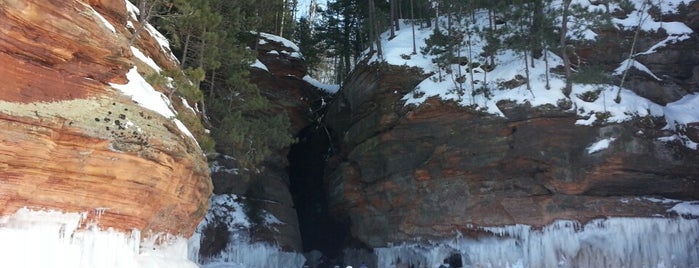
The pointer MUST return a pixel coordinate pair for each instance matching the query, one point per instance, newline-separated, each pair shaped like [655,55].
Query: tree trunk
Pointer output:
[491,21]
[564,52]
[526,71]
[393,19]
[436,16]
[185,50]
[397,15]
[546,65]
[617,99]
[412,17]
[537,31]
[283,17]
[374,24]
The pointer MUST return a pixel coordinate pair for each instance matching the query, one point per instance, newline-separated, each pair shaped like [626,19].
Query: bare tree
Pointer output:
[564,52]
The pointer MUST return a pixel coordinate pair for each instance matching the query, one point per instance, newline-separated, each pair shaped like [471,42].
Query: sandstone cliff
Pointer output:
[71,141]
[406,173]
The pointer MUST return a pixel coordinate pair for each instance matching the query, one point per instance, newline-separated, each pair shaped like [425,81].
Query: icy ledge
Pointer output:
[615,242]
[42,239]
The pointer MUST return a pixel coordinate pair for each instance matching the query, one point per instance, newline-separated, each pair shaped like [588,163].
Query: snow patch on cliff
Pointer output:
[146,96]
[330,88]
[103,20]
[258,64]
[160,38]
[599,145]
[145,59]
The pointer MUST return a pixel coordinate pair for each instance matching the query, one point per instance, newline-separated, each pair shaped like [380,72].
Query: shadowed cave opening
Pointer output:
[320,230]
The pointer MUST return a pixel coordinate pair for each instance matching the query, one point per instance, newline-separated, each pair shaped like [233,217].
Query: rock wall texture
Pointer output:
[62,145]
[406,173]
[283,85]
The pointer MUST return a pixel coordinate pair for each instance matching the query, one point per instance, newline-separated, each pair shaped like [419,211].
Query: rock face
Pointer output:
[406,173]
[676,70]
[70,142]
[267,189]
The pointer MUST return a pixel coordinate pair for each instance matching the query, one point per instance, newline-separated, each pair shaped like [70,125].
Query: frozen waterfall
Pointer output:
[614,242]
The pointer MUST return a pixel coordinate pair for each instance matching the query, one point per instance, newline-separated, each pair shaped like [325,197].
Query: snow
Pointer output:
[679,114]
[279,39]
[258,64]
[272,220]
[145,59]
[132,10]
[229,208]
[146,96]
[649,25]
[104,21]
[160,38]
[614,242]
[600,145]
[39,239]
[671,6]
[456,86]
[686,208]
[628,63]
[186,105]
[295,51]
[240,252]
[326,87]
[672,39]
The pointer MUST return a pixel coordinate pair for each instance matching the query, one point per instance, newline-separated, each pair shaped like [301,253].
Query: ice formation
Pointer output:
[39,239]
[240,252]
[614,242]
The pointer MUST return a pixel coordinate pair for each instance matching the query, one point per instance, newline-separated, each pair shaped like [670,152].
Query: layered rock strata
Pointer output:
[71,142]
[430,172]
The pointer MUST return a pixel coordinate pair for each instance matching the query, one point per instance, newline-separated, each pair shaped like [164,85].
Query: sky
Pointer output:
[303,6]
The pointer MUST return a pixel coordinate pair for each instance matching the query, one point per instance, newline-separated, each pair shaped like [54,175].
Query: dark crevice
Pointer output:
[319,229]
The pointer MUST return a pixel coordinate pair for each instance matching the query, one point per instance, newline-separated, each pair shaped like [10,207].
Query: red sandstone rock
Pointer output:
[427,172]
[58,152]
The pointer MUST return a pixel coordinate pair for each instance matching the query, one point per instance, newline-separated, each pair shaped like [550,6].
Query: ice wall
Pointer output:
[39,239]
[615,242]
[257,255]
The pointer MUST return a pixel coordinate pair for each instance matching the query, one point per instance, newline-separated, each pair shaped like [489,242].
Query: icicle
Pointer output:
[615,242]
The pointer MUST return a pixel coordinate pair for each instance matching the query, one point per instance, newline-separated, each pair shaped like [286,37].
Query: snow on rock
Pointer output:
[672,39]
[240,252]
[614,242]
[38,239]
[279,39]
[229,208]
[483,88]
[327,87]
[160,38]
[145,59]
[628,63]
[600,145]
[686,209]
[103,20]
[258,64]
[186,105]
[146,96]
